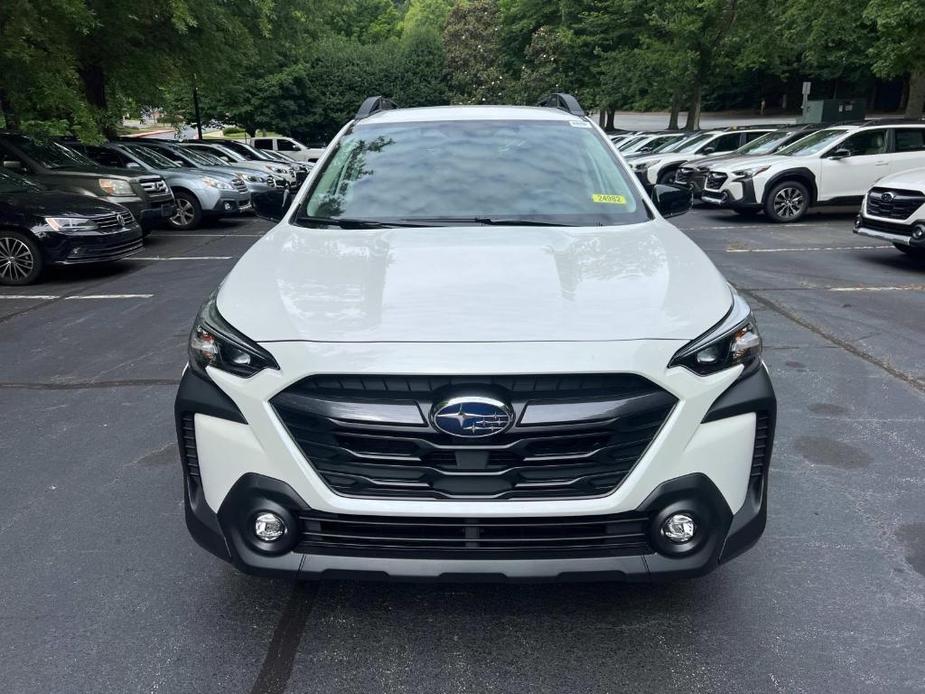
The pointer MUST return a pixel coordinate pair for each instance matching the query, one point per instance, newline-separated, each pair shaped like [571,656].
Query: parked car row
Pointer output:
[65,202]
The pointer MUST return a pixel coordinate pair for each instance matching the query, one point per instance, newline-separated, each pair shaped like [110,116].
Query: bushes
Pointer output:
[228,132]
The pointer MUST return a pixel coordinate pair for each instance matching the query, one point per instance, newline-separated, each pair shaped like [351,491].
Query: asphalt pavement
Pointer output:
[102,590]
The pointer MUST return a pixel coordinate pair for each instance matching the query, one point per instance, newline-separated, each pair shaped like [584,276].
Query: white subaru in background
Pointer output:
[894,210]
[453,358]
[834,166]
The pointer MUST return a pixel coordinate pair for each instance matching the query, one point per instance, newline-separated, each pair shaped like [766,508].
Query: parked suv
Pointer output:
[453,358]
[55,166]
[282,173]
[251,153]
[257,181]
[40,227]
[661,167]
[290,147]
[693,173]
[834,166]
[199,194]
[894,208]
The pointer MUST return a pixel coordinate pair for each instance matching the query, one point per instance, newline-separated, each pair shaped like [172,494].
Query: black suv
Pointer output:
[41,227]
[60,168]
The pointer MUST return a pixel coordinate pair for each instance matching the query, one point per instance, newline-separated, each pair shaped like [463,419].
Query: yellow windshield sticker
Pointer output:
[609,199]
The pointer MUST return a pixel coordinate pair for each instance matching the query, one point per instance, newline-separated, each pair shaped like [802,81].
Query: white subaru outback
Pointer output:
[474,348]
[834,166]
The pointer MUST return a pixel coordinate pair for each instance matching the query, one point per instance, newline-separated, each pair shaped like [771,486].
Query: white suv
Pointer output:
[834,166]
[290,147]
[894,210]
[661,167]
[452,358]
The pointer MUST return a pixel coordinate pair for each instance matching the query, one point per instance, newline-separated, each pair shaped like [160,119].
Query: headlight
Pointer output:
[216,183]
[750,173]
[213,342]
[279,169]
[116,187]
[734,340]
[71,223]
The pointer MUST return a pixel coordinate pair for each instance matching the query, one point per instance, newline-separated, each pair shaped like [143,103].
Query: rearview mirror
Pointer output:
[671,201]
[273,204]
[840,153]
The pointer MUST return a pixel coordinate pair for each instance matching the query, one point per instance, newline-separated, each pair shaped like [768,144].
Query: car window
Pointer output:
[14,183]
[461,170]
[752,135]
[766,144]
[151,157]
[865,142]
[909,139]
[287,146]
[724,143]
[691,144]
[813,144]
[49,154]
[106,157]
[263,143]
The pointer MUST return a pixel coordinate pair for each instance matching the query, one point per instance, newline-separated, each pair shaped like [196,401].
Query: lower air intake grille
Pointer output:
[573,436]
[760,455]
[188,446]
[473,538]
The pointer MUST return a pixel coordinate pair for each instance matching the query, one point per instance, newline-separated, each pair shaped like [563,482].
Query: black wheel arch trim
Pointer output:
[800,174]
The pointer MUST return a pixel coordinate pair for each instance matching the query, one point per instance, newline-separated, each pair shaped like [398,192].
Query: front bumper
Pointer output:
[150,213]
[910,234]
[711,458]
[734,195]
[91,247]
[228,204]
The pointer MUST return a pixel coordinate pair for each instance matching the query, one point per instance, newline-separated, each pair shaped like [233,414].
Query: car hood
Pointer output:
[735,163]
[97,172]
[913,179]
[53,203]
[474,284]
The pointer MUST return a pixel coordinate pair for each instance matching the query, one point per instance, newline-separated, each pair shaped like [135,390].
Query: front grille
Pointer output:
[760,454]
[575,435]
[239,185]
[473,538]
[715,180]
[188,453]
[112,222]
[154,185]
[893,204]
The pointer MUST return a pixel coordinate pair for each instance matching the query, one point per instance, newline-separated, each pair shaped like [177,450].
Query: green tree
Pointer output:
[898,48]
[426,14]
[472,41]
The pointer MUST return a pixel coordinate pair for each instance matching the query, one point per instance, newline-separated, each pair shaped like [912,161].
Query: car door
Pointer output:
[850,167]
[908,149]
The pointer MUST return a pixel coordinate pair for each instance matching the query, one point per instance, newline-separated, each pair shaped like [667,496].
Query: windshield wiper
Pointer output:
[349,223]
[493,221]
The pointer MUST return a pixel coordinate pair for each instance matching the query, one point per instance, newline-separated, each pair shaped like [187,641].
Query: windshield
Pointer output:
[629,143]
[220,152]
[194,157]
[150,157]
[681,142]
[765,144]
[14,183]
[813,144]
[49,154]
[490,171]
[693,144]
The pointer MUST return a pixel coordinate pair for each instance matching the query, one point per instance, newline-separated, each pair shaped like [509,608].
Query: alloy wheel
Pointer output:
[16,259]
[788,202]
[184,214]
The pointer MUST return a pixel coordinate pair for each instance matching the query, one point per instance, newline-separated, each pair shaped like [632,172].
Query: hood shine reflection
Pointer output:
[474,284]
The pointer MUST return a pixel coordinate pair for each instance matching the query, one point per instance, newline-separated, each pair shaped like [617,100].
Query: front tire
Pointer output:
[189,212]
[910,251]
[787,202]
[21,260]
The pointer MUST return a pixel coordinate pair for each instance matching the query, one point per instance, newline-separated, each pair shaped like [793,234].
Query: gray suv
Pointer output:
[59,168]
[199,194]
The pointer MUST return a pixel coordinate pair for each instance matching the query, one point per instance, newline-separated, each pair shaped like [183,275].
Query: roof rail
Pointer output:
[886,121]
[564,102]
[374,104]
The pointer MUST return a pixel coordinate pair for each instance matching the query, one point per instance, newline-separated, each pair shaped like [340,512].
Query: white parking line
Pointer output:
[73,297]
[743,226]
[199,236]
[906,288]
[182,257]
[808,248]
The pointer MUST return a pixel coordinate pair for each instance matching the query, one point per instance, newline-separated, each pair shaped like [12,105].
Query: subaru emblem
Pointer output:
[472,416]
[887,196]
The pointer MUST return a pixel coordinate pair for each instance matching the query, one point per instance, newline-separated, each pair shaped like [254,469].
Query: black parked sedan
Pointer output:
[40,227]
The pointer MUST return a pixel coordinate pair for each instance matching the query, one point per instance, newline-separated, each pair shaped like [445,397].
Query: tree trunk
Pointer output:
[609,125]
[10,117]
[916,101]
[693,113]
[93,78]
[675,110]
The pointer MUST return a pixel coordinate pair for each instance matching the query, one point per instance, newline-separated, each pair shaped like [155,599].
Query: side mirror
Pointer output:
[273,204]
[13,165]
[133,165]
[671,201]
[840,153]
[709,150]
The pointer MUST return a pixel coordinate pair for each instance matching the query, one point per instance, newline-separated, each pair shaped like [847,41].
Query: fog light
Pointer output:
[918,231]
[269,527]
[679,528]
